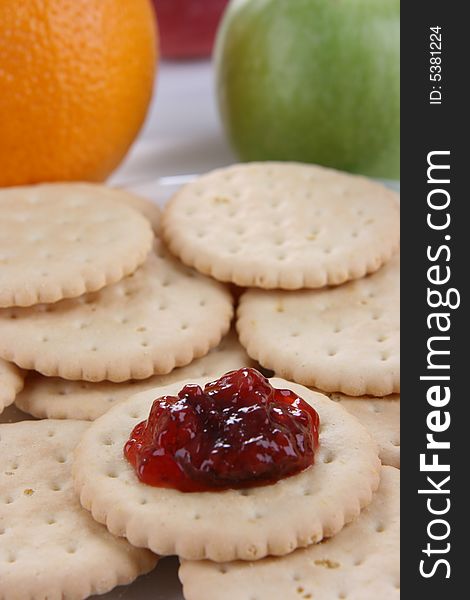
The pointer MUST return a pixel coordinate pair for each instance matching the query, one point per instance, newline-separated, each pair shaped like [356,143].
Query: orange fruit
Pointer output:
[76,78]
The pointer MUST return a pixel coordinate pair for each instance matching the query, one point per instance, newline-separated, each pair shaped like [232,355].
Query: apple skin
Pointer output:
[313,81]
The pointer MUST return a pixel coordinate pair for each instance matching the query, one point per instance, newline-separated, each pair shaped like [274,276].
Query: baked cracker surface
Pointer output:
[50,547]
[381,418]
[361,562]
[343,339]
[62,240]
[162,316]
[282,225]
[56,398]
[246,524]
[11,382]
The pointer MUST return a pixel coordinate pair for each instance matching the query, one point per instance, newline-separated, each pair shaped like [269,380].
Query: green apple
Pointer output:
[312,81]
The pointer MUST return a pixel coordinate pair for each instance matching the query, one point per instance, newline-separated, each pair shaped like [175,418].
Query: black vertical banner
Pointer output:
[435,327]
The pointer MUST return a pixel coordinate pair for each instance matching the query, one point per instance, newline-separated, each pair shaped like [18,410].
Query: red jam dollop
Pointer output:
[237,432]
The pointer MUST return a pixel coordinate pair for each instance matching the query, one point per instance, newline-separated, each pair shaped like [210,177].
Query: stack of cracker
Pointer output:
[104,306]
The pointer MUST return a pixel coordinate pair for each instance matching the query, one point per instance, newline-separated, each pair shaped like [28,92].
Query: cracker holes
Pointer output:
[332,352]
[354,234]
[71,549]
[11,558]
[295,334]
[308,492]
[381,338]
[61,459]
[328,458]
[51,433]
[379,527]
[184,326]
[162,307]
[197,517]
[202,303]
[358,562]
[222,569]
[108,442]
[44,339]
[83,325]
[145,344]
[55,487]
[376,316]
[51,521]
[337,329]
[111,474]
[134,415]
[8,500]
[143,501]
[2,531]
[384,356]
[93,349]
[202,234]
[395,443]
[342,596]
[141,329]
[124,320]
[244,493]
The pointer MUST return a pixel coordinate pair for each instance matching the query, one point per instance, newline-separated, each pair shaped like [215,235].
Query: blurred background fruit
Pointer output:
[312,80]
[188,27]
[76,77]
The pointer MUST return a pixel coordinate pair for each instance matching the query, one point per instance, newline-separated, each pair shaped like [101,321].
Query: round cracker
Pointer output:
[146,207]
[11,382]
[343,339]
[381,418]
[55,398]
[50,547]
[62,240]
[360,563]
[282,225]
[161,317]
[243,524]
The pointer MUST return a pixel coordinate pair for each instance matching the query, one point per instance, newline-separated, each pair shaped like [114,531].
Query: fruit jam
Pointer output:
[237,432]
